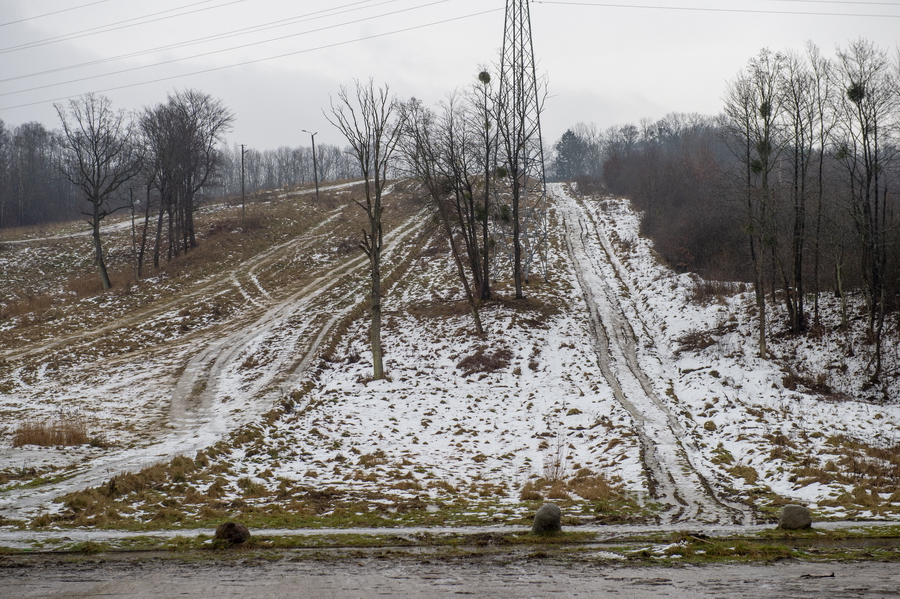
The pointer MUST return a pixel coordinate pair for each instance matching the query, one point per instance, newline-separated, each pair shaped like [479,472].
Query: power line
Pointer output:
[214,52]
[259,60]
[721,10]
[119,25]
[850,2]
[48,14]
[219,36]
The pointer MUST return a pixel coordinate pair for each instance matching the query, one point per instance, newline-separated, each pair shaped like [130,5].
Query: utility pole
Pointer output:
[243,197]
[315,164]
[133,235]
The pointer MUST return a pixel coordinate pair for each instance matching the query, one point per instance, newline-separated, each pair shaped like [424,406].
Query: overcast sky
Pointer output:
[276,63]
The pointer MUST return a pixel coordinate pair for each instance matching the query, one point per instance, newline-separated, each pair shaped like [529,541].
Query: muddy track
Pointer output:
[668,454]
[223,387]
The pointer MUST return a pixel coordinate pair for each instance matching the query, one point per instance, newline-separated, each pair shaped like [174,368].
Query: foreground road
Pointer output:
[480,577]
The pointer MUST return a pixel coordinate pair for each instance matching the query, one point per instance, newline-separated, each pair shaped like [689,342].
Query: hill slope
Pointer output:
[611,390]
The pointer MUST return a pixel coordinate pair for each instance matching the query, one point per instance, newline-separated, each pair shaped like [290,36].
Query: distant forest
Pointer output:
[34,190]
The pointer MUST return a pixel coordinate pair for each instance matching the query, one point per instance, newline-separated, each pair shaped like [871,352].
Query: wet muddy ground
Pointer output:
[300,576]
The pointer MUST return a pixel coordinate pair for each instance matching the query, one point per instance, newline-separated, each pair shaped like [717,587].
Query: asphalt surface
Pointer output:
[532,576]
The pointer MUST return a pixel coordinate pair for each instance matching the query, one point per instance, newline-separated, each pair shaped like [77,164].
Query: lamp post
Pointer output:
[315,163]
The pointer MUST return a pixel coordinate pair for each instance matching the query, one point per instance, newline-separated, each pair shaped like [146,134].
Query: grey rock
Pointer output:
[233,532]
[547,519]
[794,517]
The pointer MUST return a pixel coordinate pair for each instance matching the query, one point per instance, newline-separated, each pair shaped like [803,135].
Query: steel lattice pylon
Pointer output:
[521,149]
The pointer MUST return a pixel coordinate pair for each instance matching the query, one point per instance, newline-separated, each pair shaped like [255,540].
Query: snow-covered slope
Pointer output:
[611,372]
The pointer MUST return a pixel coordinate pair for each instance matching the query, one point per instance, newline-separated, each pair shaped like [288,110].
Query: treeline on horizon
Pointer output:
[34,189]
[792,188]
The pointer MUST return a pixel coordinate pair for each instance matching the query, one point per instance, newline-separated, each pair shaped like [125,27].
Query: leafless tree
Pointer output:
[800,115]
[367,121]
[869,106]
[752,107]
[426,156]
[101,155]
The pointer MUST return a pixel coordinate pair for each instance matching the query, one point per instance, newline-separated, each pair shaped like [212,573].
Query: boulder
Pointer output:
[794,517]
[233,532]
[547,519]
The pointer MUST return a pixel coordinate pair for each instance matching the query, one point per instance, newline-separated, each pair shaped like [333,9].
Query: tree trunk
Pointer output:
[375,332]
[98,248]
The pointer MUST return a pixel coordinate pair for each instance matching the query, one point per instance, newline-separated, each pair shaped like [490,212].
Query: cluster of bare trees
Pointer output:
[815,141]
[467,157]
[283,167]
[792,188]
[169,150]
[33,189]
[181,138]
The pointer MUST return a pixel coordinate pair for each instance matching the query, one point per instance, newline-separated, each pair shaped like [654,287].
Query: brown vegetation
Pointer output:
[72,431]
[484,360]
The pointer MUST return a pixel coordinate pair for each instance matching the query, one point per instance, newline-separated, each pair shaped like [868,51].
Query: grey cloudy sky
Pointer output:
[275,63]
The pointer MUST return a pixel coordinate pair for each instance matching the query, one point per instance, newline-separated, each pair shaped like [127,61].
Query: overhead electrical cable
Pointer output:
[120,25]
[48,14]
[259,60]
[709,9]
[223,35]
[849,2]
[214,52]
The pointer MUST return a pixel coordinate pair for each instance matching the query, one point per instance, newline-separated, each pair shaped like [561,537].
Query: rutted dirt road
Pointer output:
[667,453]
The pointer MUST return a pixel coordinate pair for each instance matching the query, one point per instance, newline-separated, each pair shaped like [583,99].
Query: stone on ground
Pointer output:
[547,519]
[794,517]
[233,532]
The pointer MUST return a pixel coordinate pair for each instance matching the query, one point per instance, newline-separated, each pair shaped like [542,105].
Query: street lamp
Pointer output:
[315,163]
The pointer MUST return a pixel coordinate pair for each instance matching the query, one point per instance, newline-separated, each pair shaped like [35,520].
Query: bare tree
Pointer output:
[824,119]
[799,102]
[100,157]
[487,138]
[425,155]
[869,105]
[366,121]
[752,105]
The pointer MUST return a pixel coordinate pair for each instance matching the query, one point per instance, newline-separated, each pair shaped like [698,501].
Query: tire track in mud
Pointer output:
[666,451]
[213,396]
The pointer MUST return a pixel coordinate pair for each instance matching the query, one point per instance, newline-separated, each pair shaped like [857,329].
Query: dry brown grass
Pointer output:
[706,292]
[874,468]
[49,434]
[29,305]
[483,360]
[585,484]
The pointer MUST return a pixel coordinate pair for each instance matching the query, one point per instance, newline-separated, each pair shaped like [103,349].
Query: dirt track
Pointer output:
[667,453]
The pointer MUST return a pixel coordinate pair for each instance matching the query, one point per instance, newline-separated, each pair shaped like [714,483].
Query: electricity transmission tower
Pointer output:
[521,151]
